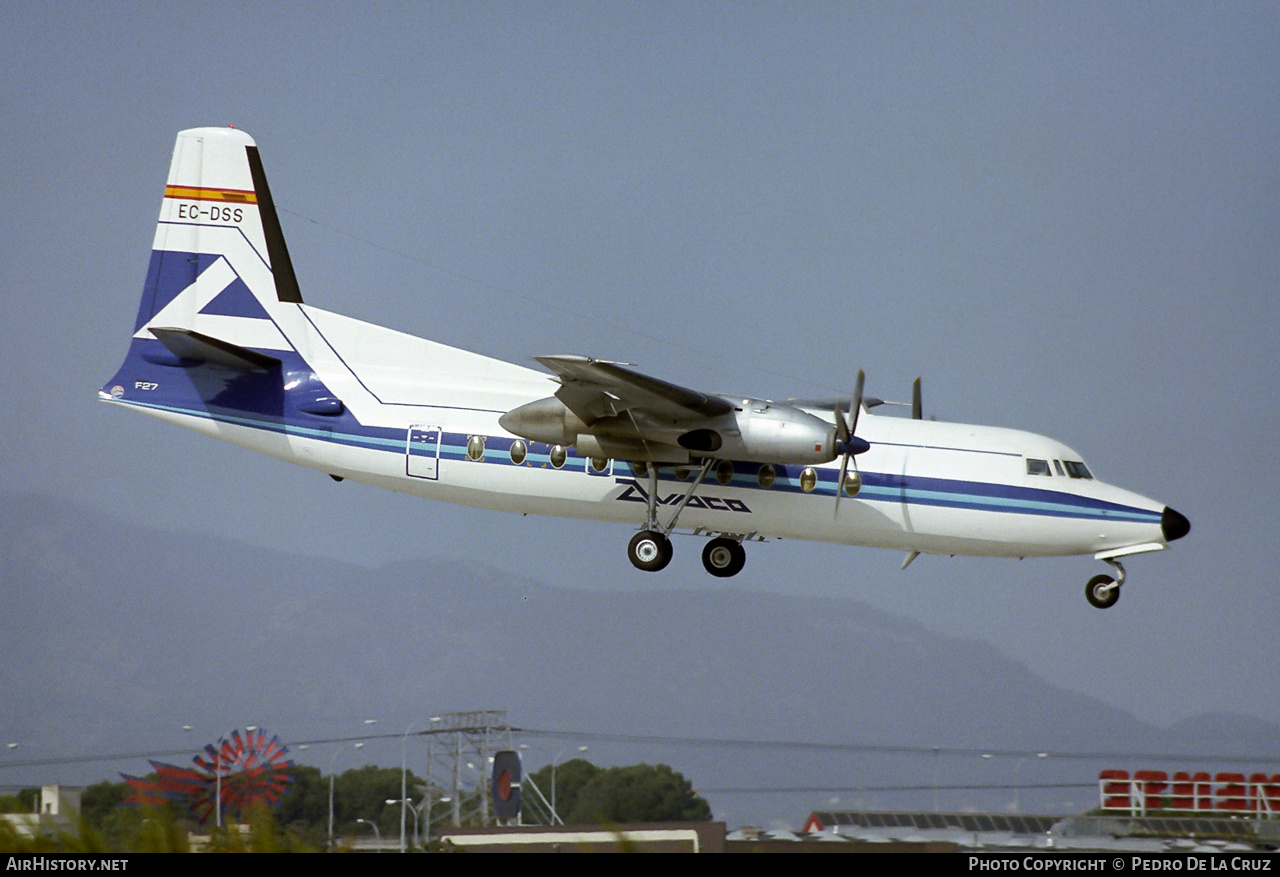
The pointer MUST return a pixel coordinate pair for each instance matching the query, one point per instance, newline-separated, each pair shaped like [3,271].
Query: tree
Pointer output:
[304,808]
[638,793]
[107,820]
[362,793]
[570,778]
[98,801]
[13,804]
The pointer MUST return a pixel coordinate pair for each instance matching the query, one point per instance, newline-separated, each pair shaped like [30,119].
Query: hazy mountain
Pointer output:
[112,637]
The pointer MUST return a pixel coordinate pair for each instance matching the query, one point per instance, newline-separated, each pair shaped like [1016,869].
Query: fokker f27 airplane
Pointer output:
[224,345]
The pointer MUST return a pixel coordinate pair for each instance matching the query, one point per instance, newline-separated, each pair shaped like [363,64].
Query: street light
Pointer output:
[935,779]
[217,772]
[555,814]
[404,774]
[986,756]
[441,800]
[333,766]
[376,834]
[417,814]
[404,777]
[217,775]
[1017,808]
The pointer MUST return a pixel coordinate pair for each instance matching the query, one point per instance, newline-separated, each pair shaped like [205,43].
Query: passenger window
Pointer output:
[809,479]
[558,456]
[475,447]
[518,452]
[724,472]
[1038,467]
[765,476]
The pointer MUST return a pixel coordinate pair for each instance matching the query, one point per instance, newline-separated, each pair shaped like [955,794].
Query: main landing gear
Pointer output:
[650,549]
[1103,591]
[724,557]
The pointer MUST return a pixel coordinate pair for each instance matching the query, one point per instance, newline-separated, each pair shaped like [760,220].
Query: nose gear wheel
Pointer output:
[1103,591]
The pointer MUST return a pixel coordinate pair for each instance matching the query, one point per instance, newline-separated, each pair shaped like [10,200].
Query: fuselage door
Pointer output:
[422,452]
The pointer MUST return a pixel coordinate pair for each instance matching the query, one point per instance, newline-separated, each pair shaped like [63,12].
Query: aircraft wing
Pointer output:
[593,390]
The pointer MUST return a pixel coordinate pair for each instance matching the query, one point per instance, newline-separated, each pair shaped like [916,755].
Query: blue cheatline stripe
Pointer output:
[877,487]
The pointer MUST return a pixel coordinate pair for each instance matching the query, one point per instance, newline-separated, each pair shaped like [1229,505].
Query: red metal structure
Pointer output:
[238,773]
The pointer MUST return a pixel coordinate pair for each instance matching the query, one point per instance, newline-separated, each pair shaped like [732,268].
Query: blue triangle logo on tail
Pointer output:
[236,301]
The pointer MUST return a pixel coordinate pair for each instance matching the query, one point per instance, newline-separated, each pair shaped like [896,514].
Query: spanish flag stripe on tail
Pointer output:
[194,193]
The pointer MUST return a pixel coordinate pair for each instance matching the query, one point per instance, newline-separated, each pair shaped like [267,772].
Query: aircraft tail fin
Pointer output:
[219,264]
[222,334]
[220,321]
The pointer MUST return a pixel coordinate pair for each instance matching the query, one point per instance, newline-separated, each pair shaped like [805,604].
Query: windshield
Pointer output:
[1076,469]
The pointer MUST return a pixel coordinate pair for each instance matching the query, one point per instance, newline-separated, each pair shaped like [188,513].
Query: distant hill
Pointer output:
[112,637]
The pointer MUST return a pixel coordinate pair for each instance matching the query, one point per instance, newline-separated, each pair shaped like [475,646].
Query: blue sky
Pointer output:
[1064,216]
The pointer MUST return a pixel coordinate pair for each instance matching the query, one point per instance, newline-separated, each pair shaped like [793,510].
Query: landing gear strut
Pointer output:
[1103,591]
[650,549]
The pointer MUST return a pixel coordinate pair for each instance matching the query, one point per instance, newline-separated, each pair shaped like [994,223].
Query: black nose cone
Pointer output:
[1173,525]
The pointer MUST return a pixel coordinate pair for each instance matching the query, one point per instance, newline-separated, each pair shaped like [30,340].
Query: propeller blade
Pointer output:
[856,406]
[917,409]
[847,443]
[844,468]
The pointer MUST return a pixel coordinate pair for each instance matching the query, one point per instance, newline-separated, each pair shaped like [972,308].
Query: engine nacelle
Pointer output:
[546,420]
[768,433]
[761,432]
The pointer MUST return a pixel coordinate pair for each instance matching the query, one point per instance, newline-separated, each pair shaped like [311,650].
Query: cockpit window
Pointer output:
[1057,464]
[1038,467]
[1077,469]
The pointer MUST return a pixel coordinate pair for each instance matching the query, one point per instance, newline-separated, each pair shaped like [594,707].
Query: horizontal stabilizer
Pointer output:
[192,345]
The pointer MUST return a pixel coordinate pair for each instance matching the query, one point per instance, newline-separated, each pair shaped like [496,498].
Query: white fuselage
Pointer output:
[932,487]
